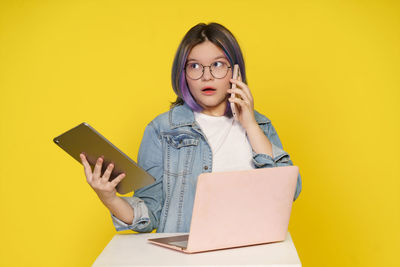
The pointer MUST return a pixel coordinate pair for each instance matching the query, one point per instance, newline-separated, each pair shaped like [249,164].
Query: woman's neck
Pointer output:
[217,111]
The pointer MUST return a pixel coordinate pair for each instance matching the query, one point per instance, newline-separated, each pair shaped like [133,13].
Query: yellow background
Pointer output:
[325,72]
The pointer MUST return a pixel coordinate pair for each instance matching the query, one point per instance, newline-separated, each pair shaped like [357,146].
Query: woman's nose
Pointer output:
[207,73]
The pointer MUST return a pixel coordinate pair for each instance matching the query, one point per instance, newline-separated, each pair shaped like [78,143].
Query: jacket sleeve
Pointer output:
[147,202]
[280,157]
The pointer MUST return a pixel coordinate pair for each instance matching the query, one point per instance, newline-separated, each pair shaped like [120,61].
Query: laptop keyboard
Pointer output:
[182,244]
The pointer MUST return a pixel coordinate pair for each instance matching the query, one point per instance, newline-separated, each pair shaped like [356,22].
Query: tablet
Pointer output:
[84,138]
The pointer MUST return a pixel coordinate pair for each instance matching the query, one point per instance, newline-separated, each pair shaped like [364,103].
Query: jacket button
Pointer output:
[206,167]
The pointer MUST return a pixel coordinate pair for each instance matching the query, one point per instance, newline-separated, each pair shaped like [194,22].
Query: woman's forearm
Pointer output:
[258,141]
[120,209]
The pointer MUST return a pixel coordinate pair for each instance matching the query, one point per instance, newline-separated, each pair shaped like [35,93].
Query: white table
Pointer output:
[134,250]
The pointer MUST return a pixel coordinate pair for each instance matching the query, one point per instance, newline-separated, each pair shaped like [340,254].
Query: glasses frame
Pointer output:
[209,67]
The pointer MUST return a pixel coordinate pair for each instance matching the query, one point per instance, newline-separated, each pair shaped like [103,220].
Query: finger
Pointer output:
[107,173]
[84,161]
[86,166]
[118,179]
[240,102]
[244,98]
[239,92]
[244,87]
[97,168]
[234,86]
[248,93]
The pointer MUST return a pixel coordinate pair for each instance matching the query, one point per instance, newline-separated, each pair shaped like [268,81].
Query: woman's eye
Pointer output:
[193,66]
[218,64]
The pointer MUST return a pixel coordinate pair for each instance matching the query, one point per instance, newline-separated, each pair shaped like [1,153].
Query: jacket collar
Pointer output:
[183,115]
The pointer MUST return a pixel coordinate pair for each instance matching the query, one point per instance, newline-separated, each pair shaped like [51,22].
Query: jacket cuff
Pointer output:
[280,158]
[141,216]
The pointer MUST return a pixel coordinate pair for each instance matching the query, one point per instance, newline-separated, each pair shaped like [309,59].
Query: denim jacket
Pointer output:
[174,150]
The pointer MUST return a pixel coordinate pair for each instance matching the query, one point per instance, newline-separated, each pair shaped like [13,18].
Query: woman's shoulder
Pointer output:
[160,121]
[260,118]
[175,115]
[180,114]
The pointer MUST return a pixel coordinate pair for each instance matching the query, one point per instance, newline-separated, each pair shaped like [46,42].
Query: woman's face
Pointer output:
[213,102]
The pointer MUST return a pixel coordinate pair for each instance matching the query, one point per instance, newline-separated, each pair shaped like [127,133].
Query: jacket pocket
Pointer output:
[179,153]
[182,140]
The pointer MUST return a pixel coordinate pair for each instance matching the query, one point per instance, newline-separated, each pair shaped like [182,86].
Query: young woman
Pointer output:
[198,134]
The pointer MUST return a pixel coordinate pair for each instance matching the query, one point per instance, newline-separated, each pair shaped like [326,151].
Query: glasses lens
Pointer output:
[219,69]
[194,70]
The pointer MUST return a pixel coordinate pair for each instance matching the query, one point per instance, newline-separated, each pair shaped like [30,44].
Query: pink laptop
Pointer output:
[240,208]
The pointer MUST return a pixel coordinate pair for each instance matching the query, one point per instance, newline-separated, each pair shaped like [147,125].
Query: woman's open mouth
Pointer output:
[208,90]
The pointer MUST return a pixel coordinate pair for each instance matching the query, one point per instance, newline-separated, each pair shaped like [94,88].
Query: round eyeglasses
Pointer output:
[218,70]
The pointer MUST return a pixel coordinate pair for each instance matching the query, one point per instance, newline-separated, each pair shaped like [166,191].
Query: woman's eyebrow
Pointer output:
[190,59]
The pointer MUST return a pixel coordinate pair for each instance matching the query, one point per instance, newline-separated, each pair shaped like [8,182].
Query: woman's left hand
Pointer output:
[244,103]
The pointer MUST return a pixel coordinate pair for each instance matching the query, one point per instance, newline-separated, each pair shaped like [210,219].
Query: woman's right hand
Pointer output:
[101,184]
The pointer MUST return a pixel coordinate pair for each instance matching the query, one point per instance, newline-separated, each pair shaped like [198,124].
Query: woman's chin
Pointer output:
[211,104]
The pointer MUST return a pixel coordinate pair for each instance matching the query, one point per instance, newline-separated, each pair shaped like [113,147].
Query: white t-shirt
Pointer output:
[228,140]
